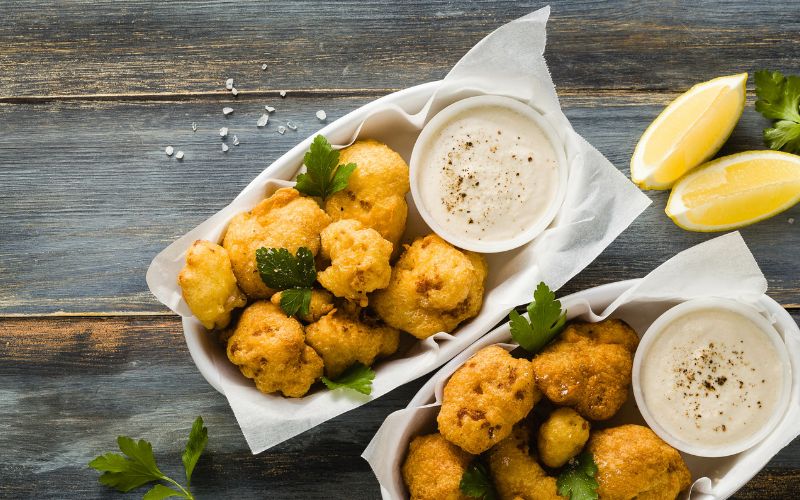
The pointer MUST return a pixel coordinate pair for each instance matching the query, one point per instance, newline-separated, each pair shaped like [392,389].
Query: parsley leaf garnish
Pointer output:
[545,320]
[578,481]
[358,378]
[292,274]
[475,482]
[324,176]
[137,466]
[779,100]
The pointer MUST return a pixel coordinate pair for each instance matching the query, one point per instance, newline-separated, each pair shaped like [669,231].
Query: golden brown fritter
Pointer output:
[516,474]
[632,462]
[342,339]
[321,304]
[284,220]
[433,468]
[208,284]
[359,260]
[434,287]
[270,348]
[375,193]
[485,397]
[588,367]
[562,437]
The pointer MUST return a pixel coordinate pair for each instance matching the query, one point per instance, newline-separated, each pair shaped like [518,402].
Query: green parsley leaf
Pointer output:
[578,481]
[324,176]
[779,100]
[475,482]
[198,438]
[358,378]
[296,299]
[159,492]
[545,320]
[281,270]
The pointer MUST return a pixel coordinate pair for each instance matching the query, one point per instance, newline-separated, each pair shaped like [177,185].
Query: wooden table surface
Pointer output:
[92,93]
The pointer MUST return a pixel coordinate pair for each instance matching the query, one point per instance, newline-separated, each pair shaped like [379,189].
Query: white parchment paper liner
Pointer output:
[600,203]
[721,267]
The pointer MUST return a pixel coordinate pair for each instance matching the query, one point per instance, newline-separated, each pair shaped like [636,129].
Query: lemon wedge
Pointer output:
[736,190]
[688,132]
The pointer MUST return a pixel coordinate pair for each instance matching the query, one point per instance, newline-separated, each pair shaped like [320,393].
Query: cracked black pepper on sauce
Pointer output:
[712,377]
[489,173]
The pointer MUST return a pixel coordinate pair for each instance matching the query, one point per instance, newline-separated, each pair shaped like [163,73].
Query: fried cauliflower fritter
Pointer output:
[632,462]
[485,397]
[342,339]
[270,348]
[208,284]
[375,193]
[321,304]
[561,437]
[359,260]
[433,468]
[284,220]
[434,287]
[516,474]
[588,367]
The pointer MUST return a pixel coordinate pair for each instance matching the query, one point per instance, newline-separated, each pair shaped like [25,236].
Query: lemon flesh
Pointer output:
[735,191]
[688,132]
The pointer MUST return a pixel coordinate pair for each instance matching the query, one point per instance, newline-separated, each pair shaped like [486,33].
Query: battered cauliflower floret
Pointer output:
[434,287]
[270,348]
[516,474]
[284,220]
[321,304]
[485,397]
[562,437]
[208,284]
[375,193]
[632,462]
[433,468]
[359,260]
[588,367]
[342,339]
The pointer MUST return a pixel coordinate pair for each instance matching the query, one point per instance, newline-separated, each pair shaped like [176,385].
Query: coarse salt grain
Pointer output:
[169,150]
[264,67]
[291,125]
[194,126]
[791,220]
[283,93]
[179,155]
[224,148]
[281,129]
[235,141]
[234,91]
[322,115]
[227,110]
[269,108]
[229,83]
[223,132]
[262,122]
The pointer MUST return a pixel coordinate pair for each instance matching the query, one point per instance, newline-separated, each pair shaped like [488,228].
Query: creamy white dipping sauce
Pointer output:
[489,174]
[712,378]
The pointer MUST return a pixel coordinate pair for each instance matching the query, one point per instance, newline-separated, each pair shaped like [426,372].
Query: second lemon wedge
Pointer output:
[688,132]
[736,190]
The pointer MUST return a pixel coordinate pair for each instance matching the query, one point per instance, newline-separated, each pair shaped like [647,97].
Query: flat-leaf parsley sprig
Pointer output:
[358,377]
[779,100]
[292,274]
[324,175]
[476,483]
[137,466]
[577,481]
[545,320]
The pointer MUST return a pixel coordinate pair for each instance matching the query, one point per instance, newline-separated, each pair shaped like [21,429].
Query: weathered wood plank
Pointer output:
[151,47]
[69,386]
[89,197]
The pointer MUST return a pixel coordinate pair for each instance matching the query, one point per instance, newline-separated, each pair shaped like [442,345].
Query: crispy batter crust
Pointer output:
[516,474]
[561,437]
[433,468]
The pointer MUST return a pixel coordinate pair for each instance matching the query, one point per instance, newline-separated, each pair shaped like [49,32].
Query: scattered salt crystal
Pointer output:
[224,148]
[235,141]
[791,220]
[281,129]
[169,150]
[269,108]
[283,93]
[223,132]
[262,122]
[264,67]
[291,125]
[194,126]
[322,115]
[229,83]
[179,155]
[226,110]
[234,91]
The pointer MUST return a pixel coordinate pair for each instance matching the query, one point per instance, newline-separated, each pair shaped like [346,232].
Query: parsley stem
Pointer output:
[186,493]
